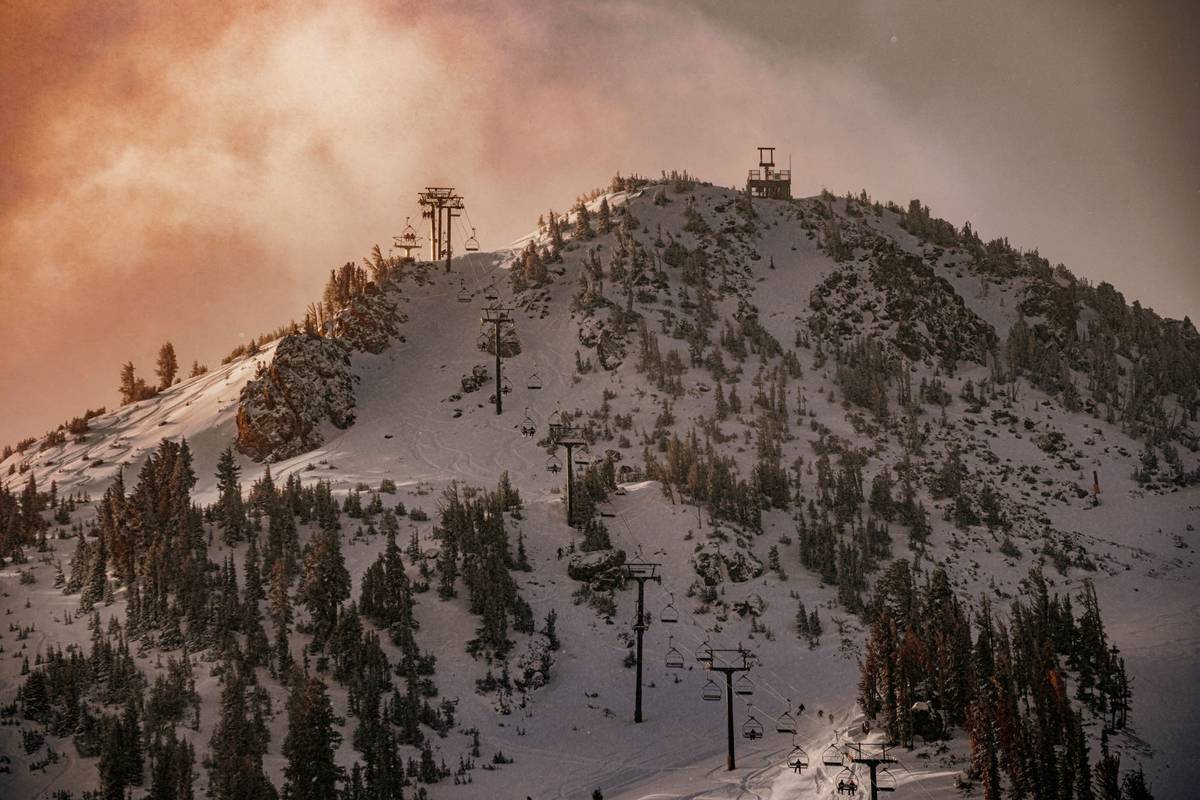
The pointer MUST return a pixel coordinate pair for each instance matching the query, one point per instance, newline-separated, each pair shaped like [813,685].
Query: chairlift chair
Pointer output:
[704,652]
[490,292]
[471,245]
[846,782]
[505,385]
[711,691]
[833,756]
[885,781]
[669,613]
[528,428]
[534,382]
[674,658]
[556,425]
[752,729]
[786,722]
[743,686]
[583,459]
[464,296]
[797,760]
[554,464]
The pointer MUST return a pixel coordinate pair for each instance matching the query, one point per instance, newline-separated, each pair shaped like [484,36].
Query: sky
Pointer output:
[191,172]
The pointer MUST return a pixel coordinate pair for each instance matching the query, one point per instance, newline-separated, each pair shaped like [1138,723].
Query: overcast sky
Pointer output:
[192,175]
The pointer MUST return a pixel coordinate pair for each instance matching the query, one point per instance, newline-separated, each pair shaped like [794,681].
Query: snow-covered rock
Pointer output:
[739,566]
[586,567]
[370,322]
[281,411]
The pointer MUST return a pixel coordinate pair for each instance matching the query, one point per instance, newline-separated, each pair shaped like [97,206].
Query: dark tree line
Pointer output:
[473,530]
[931,664]
[153,540]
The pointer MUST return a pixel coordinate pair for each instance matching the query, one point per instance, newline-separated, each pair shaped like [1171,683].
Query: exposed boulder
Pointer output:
[713,565]
[587,567]
[280,411]
[478,376]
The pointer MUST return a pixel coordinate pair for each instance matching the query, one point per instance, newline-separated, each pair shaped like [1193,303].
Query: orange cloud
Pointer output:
[191,172]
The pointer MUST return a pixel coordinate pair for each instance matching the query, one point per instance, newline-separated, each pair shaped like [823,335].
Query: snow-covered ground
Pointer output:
[577,734]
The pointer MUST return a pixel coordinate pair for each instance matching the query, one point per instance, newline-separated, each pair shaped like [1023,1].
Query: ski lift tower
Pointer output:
[497,317]
[407,241]
[441,206]
[640,571]
[729,662]
[880,782]
[569,437]
[768,182]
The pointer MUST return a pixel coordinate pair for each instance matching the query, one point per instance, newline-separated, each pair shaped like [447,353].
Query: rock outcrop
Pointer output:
[370,322]
[588,567]
[281,411]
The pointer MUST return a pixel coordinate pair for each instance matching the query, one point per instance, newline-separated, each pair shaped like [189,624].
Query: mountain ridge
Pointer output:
[858,351]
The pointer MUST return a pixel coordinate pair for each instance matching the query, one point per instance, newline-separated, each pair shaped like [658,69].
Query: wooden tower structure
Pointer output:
[766,181]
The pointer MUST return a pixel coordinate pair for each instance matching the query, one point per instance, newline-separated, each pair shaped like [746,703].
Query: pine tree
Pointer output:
[1108,784]
[172,774]
[533,266]
[447,565]
[773,563]
[133,388]
[112,766]
[551,629]
[131,735]
[129,384]
[815,628]
[1135,786]
[583,223]
[881,501]
[168,366]
[230,509]
[722,410]
[324,581]
[311,742]
[281,617]
[604,216]
[97,580]
[257,647]
[239,741]
[802,626]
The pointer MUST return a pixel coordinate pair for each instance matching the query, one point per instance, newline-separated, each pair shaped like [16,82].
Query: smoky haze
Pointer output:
[193,175]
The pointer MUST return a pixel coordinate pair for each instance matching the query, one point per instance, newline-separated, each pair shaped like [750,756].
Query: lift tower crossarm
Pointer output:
[873,763]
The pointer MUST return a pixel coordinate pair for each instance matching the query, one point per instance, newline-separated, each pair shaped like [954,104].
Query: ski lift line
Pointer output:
[913,779]
[698,641]
[761,681]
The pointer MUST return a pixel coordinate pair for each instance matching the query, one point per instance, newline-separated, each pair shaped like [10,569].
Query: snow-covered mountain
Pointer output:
[747,368]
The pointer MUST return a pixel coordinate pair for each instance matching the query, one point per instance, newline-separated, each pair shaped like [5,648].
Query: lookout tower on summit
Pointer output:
[766,181]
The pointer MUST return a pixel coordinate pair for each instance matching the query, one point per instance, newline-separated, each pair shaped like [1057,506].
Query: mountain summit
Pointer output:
[934,491]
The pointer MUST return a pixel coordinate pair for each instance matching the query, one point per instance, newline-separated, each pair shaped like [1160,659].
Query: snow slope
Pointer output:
[576,734]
